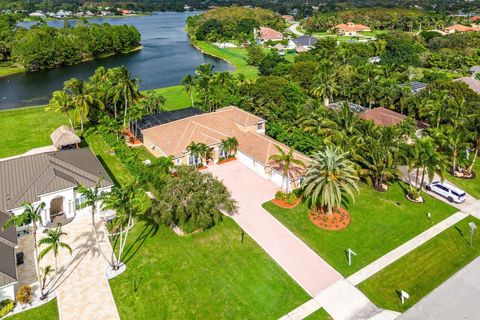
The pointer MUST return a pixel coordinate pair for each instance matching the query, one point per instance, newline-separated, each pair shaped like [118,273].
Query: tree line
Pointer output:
[45,47]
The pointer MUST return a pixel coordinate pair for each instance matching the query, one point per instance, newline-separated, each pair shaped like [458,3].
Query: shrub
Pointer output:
[24,294]
[291,198]
[280,195]
[6,306]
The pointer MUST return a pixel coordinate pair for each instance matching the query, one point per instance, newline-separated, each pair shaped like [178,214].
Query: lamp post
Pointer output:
[473,227]
[350,253]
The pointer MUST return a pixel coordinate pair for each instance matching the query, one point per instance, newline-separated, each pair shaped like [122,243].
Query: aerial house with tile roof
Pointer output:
[254,147]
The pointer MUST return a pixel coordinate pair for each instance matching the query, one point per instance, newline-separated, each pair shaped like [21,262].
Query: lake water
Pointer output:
[165,58]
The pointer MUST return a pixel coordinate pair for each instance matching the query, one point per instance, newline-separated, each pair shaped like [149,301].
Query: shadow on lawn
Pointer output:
[148,230]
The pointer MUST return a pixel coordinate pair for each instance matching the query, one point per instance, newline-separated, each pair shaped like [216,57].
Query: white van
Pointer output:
[445,189]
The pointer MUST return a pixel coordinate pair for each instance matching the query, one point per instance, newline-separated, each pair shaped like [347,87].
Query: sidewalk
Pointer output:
[404,249]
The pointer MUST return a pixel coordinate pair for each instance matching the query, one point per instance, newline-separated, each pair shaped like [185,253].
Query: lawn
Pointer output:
[235,56]
[175,96]
[6,71]
[110,162]
[48,311]
[320,314]
[471,186]
[423,269]
[209,275]
[380,223]
[27,128]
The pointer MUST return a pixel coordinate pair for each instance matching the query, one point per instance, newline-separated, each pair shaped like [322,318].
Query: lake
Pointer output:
[165,58]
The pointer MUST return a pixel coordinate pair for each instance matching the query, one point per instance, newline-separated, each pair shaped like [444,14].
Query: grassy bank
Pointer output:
[423,269]
[209,275]
[6,71]
[380,223]
[48,311]
[27,128]
[235,56]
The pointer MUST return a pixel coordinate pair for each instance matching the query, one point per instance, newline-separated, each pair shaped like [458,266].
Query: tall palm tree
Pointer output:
[330,178]
[325,87]
[285,161]
[83,99]
[53,242]
[93,197]
[198,151]
[62,102]
[128,88]
[189,83]
[30,215]
[126,202]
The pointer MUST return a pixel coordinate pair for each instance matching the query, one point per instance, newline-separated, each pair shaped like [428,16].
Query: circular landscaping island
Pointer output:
[338,220]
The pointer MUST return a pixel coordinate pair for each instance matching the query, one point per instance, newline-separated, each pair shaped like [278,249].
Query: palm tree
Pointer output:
[330,178]
[285,161]
[198,151]
[128,88]
[189,83]
[325,87]
[53,241]
[93,197]
[230,145]
[473,125]
[44,274]
[30,215]
[61,102]
[126,202]
[83,98]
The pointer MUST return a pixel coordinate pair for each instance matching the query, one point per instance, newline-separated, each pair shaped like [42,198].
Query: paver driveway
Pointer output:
[250,190]
[83,291]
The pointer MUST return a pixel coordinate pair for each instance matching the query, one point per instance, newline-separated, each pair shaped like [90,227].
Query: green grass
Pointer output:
[208,275]
[471,186]
[320,314]
[176,97]
[27,128]
[110,162]
[423,269]
[235,56]
[380,223]
[6,71]
[48,311]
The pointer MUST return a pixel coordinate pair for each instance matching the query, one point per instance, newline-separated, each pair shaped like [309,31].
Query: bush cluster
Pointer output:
[6,306]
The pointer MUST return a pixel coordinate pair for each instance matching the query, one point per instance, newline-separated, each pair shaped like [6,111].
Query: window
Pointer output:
[193,160]
[80,201]
[260,126]
[223,153]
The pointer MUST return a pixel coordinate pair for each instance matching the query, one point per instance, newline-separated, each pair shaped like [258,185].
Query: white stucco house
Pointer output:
[51,178]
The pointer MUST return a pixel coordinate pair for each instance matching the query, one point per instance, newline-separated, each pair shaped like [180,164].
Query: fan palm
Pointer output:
[53,242]
[285,161]
[330,178]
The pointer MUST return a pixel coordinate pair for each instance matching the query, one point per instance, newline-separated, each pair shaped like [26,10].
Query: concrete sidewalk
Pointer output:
[250,190]
[404,249]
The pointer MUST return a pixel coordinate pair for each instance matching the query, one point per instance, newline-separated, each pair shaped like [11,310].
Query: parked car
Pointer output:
[445,189]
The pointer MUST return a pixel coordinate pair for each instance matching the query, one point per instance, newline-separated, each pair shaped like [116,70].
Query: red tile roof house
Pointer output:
[351,29]
[265,34]
[254,147]
[387,118]
[288,17]
[459,28]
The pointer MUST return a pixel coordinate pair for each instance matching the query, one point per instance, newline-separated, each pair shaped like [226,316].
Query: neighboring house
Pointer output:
[307,42]
[64,137]
[417,86]
[386,118]
[474,70]
[351,29]
[281,48]
[37,14]
[254,147]
[458,28]
[8,261]
[265,34]
[288,17]
[473,83]
[355,108]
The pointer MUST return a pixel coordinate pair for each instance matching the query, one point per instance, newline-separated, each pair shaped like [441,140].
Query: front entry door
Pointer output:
[56,207]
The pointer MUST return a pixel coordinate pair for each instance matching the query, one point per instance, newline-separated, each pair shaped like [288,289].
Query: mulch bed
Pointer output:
[419,200]
[339,220]
[227,160]
[202,168]
[472,176]
[285,205]
[131,137]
